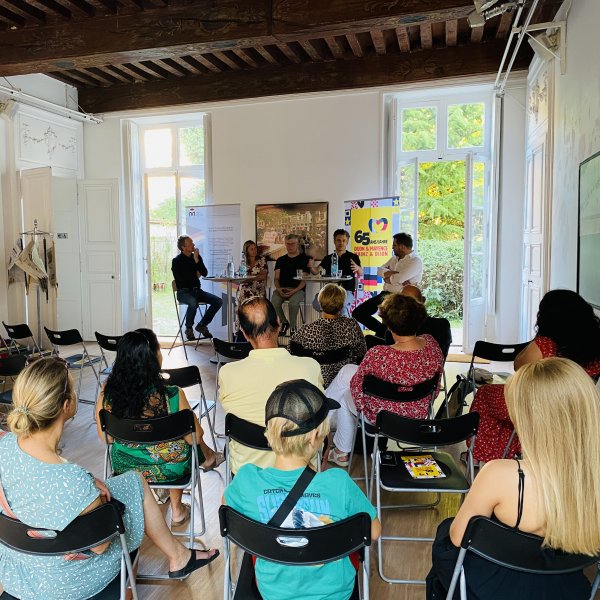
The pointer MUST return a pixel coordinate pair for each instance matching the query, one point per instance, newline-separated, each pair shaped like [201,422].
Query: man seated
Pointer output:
[245,385]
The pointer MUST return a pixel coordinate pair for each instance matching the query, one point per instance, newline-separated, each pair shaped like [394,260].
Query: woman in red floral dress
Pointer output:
[566,326]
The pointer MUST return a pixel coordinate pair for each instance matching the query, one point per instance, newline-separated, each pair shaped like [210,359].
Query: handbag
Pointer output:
[246,588]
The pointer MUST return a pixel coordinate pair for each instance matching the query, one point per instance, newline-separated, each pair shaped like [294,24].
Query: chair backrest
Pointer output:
[386,390]
[497,352]
[231,350]
[11,366]
[148,431]
[323,357]
[427,432]
[108,342]
[64,338]
[183,376]
[311,546]
[246,433]
[18,332]
[83,533]
[373,340]
[518,550]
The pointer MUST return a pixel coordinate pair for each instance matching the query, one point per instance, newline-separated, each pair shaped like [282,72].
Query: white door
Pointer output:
[534,251]
[100,257]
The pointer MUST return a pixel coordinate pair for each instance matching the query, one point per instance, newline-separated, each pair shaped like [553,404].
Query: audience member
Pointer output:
[410,360]
[286,287]
[331,332]
[135,389]
[44,490]
[187,268]
[297,423]
[566,326]
[245,385]
[553,492]
[403,268]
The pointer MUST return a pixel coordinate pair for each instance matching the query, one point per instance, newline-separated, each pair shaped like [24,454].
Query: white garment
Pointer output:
[339,389]
[410,268]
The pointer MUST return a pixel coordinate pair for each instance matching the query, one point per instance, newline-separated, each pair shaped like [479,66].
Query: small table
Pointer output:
[322,280]
[229,308]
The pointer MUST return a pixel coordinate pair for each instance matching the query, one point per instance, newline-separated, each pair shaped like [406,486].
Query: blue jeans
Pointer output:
[194,297]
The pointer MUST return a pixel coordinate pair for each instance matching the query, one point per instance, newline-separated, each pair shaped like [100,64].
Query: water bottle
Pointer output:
[243,267]
[334,264]
[230,270]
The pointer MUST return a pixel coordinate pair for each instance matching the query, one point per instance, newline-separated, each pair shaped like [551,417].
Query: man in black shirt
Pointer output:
[187,269]
[348,264]
[286,287]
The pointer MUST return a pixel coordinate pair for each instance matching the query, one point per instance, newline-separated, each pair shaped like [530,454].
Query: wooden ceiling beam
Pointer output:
[403,39]
[25,10]
[373,70]
[504,25]
[12,18]
[334,47]
[451,32]
[310,50]
[355,45]
[187,65]
[378,41]
[426,36]
[245,57]
[477,34]
[52,6]
[267,55]
[204,26]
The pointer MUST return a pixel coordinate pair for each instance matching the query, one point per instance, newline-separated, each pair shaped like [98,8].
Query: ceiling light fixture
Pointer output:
[485,11]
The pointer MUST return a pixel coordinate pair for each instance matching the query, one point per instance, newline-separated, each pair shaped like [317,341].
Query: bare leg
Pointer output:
[159,533]
[177,510]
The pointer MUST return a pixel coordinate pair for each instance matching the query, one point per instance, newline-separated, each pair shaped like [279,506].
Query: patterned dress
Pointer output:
[167,461]
[251,288]
[495,426]
[330,334]
[406,368]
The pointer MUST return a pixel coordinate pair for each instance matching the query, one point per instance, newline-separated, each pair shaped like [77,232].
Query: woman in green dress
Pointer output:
[135,389]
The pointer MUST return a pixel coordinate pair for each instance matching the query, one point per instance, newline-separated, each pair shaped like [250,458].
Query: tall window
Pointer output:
[438,165]
[172,164]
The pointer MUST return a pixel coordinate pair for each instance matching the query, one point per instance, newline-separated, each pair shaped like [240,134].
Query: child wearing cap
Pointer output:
[296,416]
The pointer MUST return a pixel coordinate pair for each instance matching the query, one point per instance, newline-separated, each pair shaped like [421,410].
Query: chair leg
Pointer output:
[208,420]
[179,335]
[129,570]
[596,583]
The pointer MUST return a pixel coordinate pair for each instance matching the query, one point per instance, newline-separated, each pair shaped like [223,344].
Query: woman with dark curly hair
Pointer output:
[135,389]
[566,326]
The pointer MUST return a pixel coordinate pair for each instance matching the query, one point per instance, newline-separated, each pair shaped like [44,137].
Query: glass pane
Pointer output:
[406,220]
[192,191]
[191,146]
[163,236]
[465,125]
[419,129]
[476,276]
[477,231]
[406,186]
[158,148]
[478,181]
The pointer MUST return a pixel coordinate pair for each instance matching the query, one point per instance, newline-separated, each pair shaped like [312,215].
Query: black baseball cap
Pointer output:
[300,402]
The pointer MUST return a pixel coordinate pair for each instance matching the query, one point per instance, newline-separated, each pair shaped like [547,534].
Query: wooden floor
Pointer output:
[408,560]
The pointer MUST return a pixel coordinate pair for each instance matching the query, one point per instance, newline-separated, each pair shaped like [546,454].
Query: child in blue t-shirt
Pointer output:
[296,416]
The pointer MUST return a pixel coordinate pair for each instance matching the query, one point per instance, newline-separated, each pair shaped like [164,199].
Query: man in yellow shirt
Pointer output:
[245,385]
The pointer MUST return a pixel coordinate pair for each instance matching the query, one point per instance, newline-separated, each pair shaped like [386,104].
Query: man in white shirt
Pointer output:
[404,268]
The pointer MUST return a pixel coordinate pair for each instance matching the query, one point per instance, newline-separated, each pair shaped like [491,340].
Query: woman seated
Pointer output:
[566,326]
[135,389]
[332,331]
[43,490]
[553,492]
[296,414]
[410,360]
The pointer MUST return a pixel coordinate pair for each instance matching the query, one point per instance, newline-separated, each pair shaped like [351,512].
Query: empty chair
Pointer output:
[10,367]
[106,343]
[19,332]
[71,337]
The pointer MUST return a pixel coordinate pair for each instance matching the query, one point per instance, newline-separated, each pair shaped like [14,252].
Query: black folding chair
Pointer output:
[86,531]
[423,436]
[10,367]
[323,357]
[154,431]
[392,392]
[15,333]
[493,352]
[71,337]
[181,320]
[245,433]
[513,549]
[185,377]
[108,343]
[311,546]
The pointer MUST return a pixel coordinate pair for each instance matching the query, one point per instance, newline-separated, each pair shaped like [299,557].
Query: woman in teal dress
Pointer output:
[44,490]
[135,389]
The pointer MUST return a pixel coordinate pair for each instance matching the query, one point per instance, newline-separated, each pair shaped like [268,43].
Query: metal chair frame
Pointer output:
[70,337]
[22,331]
[180,320]
[108,343]
[310,546]
[86,531]
[421,435]
[153,431]
[513,549]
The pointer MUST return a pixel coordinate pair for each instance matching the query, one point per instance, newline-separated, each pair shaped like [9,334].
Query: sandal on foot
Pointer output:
[187,511]
[193,564]
[219,459]
[338,458]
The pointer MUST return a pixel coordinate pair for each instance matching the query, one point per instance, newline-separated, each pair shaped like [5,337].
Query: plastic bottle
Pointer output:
[230,271]
[243,267]
[334,264]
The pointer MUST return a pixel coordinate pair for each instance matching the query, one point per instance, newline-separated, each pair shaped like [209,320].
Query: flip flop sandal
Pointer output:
[335,457]
[187,510]
[219,460]
[193,564]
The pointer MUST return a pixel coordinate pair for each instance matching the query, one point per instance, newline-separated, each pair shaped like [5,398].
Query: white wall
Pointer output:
[577,134]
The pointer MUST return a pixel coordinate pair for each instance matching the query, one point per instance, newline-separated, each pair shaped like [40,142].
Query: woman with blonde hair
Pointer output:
[553,492]
[43,490]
